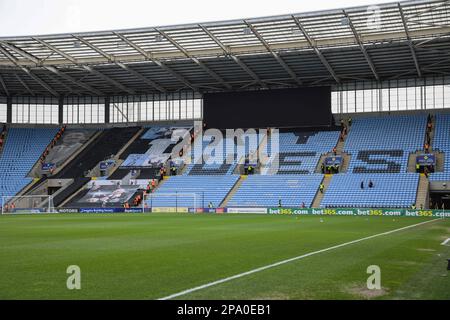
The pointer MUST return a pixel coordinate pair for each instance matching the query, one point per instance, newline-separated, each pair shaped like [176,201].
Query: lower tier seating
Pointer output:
[389,190]
[267,191]
[21,151]
[201,189]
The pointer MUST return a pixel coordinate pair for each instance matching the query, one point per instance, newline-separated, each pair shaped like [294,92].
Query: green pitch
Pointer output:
[137,256]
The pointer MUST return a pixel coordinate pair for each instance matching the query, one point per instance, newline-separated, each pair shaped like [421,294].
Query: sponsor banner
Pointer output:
[169,209]
[331,161]
[426,159]
[100,210]
[68,210]
[106,164]
[30,210]
[220,210]
[48,166]
[246,210]
[359,212]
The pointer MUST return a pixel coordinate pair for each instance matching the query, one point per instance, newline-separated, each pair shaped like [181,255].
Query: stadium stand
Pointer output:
[268,190]
[299,152]
[22,149]
[389,190]
[206,189]
[226,154]
[441,142]
[383,144]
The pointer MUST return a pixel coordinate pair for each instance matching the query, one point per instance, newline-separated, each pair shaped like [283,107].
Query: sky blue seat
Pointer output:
[178,191]
[267,190]
[389,191]
[381,139]
[441,142]
[300,151]
[22,149]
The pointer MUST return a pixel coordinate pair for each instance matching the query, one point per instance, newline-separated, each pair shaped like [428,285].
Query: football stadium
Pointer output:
[303,156]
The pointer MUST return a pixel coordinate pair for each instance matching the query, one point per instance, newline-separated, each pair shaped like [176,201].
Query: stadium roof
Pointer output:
[410,40]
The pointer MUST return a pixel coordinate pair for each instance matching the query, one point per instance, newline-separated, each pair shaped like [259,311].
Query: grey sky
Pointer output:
[32,17]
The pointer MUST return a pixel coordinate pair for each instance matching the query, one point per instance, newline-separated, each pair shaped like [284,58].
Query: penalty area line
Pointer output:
[279,263]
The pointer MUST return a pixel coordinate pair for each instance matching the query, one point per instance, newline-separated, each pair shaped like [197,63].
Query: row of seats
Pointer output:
[192,191]
[270,191]
[441,142]
[298,152]
[383,144]
[389,190]
[23,147]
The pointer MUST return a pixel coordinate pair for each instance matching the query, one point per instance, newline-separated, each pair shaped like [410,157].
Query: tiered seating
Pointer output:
[206,189]
[266,191]
[390,190]
[383,145]
[441,142]
[299,152]
[225,156]
[21,151]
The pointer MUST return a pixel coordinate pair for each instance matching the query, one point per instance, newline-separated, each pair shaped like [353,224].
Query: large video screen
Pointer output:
[297,107]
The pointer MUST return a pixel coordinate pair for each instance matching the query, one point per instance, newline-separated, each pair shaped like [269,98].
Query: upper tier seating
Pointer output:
[23,148]
[266,191]
[226,156]
[441,142]
[383,145]
[206,190]
[390,190]
[299,152]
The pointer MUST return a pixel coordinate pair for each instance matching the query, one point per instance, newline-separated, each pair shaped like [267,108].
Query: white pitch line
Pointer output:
[445,242]
[276,264]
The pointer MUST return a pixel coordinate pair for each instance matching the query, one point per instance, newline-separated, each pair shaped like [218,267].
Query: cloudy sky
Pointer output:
[33,17]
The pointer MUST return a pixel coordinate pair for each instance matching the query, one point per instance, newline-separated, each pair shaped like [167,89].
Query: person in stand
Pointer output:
[334,150]
[425,172]
[417,167]
[279,203]
[321,187]
[371,184]
[303,205]
[350,122]
[210,205]
[413,206]
[336,168]
[250,169]
[427,147]
[322,168]
[362,184]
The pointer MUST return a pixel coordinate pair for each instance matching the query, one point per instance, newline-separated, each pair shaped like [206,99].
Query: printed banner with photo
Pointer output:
[166,133]
[145,160]
[108,195]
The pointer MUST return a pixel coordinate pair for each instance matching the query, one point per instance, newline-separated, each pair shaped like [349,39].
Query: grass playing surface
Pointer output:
[137,256]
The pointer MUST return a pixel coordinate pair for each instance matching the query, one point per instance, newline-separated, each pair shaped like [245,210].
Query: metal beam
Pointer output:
[235,58]
[274,54]
[198,62]
[41,82]
[2,82]
[74,81]
[108,79]
[410,44]
[24,85]
[316,49]
[56,50]
[21,52]
[149,57]
[361,46]
[141,77]
[96,49]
